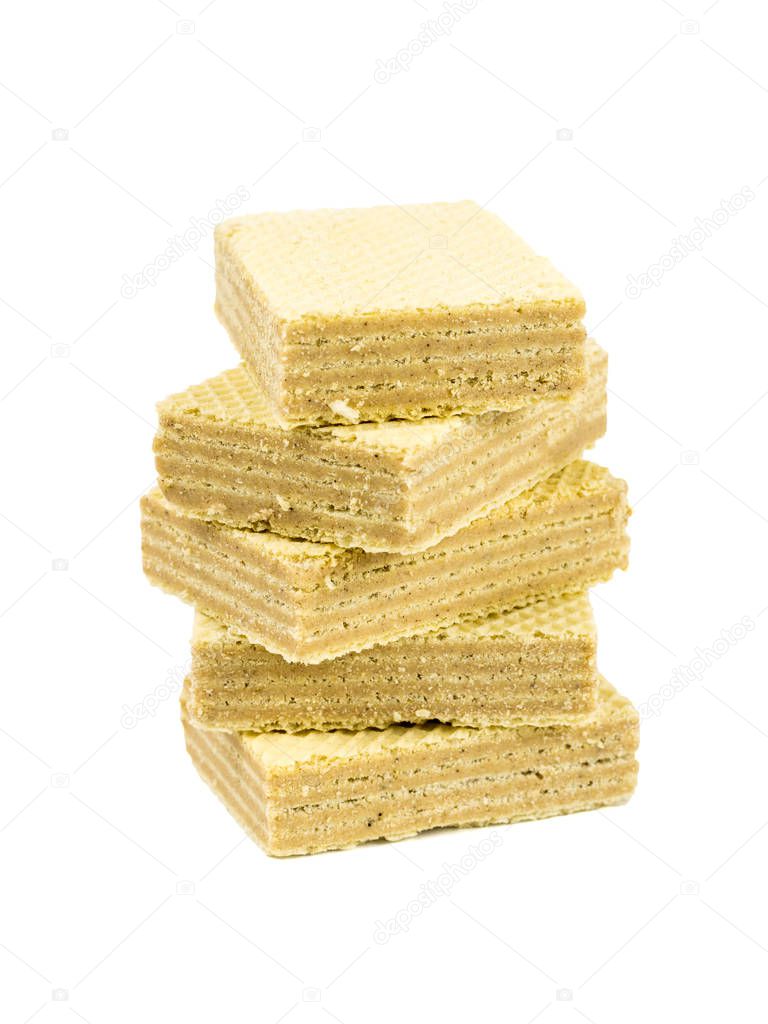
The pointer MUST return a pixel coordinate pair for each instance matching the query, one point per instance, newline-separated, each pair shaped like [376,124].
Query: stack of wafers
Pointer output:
[385,526]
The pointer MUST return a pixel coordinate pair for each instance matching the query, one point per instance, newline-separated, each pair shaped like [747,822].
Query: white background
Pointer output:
[653,911]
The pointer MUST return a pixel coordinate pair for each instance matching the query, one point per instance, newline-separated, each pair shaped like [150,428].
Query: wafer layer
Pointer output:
[398,486]
[395,312]
[535,664]
[316,791]
[309,602]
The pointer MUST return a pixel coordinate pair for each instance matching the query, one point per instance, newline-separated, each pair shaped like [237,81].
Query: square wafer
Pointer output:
[397,486]
[314,791]
[535,664]
[309,602]
[395,312]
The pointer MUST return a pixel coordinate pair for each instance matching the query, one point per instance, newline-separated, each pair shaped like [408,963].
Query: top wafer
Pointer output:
[395,312]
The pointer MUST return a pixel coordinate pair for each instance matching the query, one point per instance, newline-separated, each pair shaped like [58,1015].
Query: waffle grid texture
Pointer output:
[562,616]
[324,265]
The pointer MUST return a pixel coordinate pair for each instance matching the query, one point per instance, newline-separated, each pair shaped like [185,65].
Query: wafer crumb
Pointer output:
[342,408]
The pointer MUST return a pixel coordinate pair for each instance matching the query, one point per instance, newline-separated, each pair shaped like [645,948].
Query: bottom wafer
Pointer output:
[314,791]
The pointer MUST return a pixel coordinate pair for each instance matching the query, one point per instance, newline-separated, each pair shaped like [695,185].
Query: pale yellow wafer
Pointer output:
[397,486]
[395,312]
[313,791]
[535,664]
[309,602]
